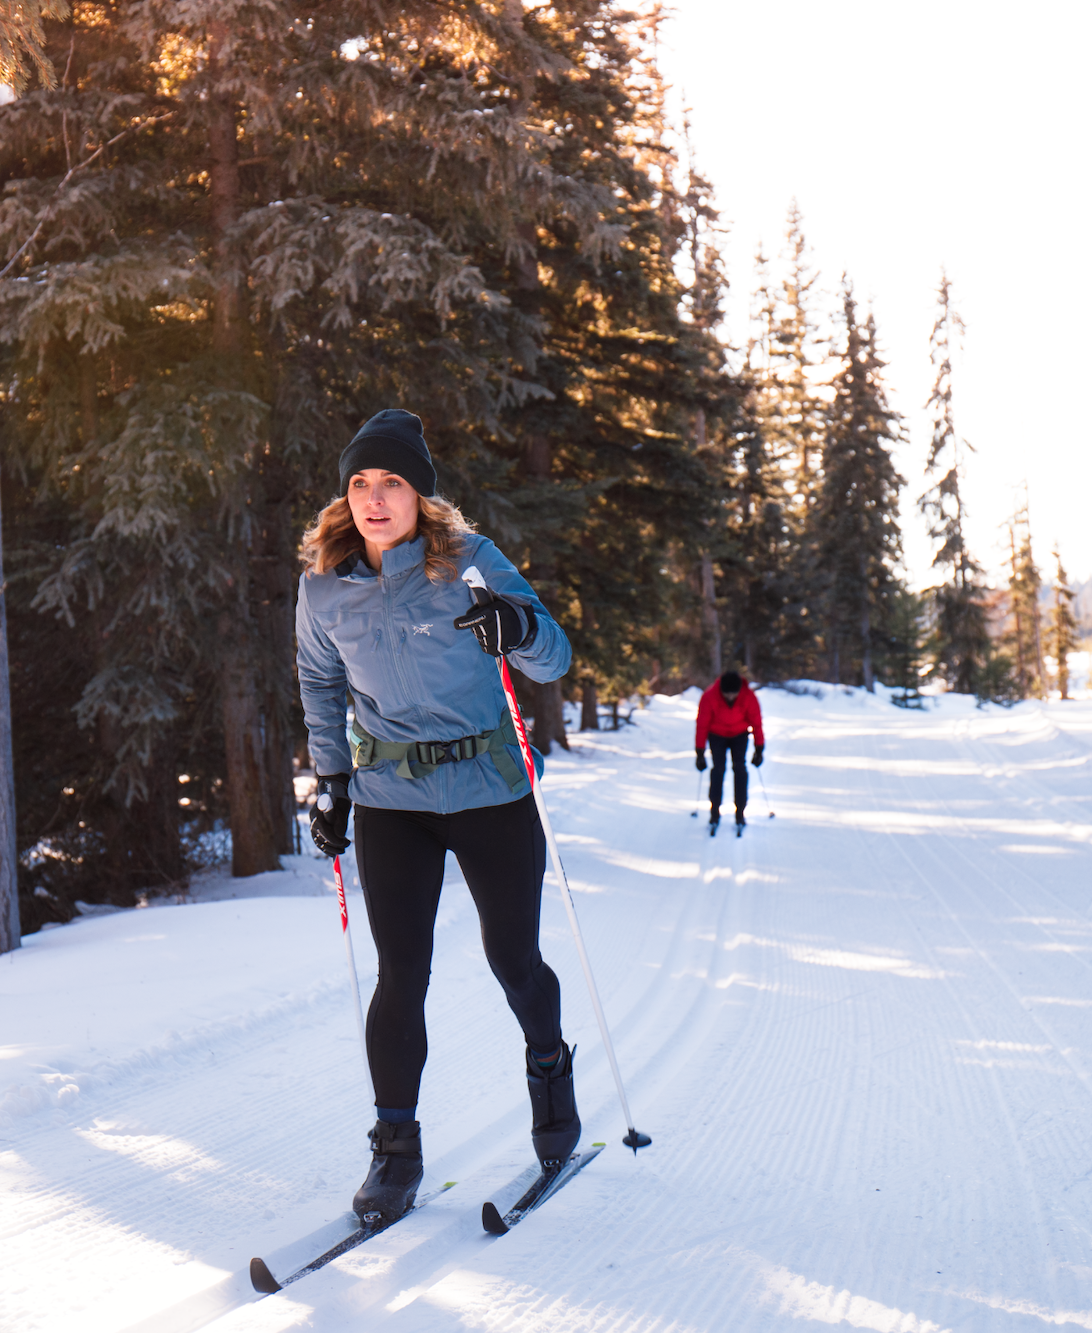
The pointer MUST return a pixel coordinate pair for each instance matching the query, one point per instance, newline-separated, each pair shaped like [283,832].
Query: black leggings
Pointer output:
[719,747]
[501,851]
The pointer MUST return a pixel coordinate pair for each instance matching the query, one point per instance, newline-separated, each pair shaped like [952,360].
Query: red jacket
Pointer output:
[715,716]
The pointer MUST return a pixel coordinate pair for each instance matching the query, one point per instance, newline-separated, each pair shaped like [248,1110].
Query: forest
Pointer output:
[230,232]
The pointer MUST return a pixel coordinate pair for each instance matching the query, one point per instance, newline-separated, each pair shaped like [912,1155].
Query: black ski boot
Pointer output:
[555,1125]
[395,1173]
[714,821]
[741,823]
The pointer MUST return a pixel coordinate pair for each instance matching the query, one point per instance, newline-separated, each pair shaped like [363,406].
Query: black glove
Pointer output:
[501,627]
[330,814]
[756,758]
[699,761]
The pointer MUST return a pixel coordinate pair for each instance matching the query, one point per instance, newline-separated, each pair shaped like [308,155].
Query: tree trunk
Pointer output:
[549,716]
[589,707]
[258,791]
[709,614]
[10,935]
[254,840]
[549,704]
[866,632]
[866,650]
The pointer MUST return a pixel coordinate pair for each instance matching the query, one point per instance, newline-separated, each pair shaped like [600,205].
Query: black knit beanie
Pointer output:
[731,682]
[395,441]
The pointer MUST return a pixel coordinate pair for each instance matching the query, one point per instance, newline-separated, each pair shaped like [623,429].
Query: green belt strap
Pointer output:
[417,759]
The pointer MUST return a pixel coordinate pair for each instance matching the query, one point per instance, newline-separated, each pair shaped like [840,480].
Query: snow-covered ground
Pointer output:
[859,1037]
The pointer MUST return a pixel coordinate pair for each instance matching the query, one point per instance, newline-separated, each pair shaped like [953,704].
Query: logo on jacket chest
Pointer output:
[424,629]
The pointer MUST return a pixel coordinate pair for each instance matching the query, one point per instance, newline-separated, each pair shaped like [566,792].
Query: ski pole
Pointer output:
[697,799]
[352,974]
[634,1138]
[762,782]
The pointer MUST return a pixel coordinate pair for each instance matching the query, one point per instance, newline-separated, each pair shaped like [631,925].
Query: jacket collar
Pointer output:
[398,560]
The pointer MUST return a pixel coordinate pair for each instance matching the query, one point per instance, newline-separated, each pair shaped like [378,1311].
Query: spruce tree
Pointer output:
[856,507]
[22,41]
[960,641]
[1024,634]
[777,453]
[1063,626]
[232,233]
[903,645]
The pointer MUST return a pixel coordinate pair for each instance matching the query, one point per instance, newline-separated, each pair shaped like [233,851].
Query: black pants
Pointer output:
[501,851]
[718,748]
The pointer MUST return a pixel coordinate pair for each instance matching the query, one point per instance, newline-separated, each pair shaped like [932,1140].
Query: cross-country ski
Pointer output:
[264,1281]
[545,1186]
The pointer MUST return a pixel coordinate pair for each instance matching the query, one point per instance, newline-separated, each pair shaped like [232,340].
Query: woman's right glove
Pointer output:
[756,758]
[330,814]
[699,761]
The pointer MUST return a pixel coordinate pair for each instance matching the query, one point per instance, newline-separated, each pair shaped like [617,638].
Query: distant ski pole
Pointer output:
[697,799]
[634,1138]
[352,975]
[762,781]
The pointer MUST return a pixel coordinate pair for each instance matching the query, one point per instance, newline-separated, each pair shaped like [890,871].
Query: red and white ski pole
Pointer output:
[352,974]
[634,1139]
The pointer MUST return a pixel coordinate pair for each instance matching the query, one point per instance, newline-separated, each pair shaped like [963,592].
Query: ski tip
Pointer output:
[635,1139]
[450,1184]
[772,814]
[492,1220]
[262,1279]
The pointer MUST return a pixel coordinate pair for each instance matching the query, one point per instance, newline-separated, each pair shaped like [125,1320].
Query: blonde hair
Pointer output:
[334,536]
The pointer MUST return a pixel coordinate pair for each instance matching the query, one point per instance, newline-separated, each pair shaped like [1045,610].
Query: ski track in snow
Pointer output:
[859,1037]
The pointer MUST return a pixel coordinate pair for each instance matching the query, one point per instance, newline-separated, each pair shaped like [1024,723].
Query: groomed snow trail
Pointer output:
[859,1036]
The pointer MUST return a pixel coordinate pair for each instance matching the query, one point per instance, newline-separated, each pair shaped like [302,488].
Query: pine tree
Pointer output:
[960,642]
[231,233]
[795,420]
[777,449]
[856,507]
[236,230]
[1024,635]
[1063,626]
[902,656]
[22,41]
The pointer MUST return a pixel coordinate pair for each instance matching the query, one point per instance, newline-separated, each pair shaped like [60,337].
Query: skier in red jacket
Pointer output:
[727,712]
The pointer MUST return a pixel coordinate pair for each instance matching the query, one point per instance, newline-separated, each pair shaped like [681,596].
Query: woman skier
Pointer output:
[433,767]
[727,711]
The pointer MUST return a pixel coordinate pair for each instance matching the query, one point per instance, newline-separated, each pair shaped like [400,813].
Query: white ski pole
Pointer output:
[697,799]
[634,1138]
[762,782]
[352,975]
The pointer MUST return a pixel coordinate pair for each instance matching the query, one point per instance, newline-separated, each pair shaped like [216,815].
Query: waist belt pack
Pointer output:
[419,759]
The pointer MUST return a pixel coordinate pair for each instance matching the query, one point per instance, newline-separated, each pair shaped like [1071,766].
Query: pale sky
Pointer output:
[915,136]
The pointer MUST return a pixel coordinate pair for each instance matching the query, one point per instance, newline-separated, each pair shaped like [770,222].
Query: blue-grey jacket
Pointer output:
[413,676]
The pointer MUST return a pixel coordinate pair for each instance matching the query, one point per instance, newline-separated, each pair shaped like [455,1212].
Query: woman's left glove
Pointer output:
[756,758]
[330,814]
[501,626]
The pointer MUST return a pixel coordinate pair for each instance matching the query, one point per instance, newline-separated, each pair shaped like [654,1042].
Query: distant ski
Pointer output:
[264,1281]
[545,1186]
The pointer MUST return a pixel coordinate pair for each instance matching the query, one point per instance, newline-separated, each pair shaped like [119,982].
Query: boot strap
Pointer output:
[395,1147]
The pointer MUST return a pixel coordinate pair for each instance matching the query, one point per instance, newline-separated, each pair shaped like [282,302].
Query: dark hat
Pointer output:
[395,441]
[731,682]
